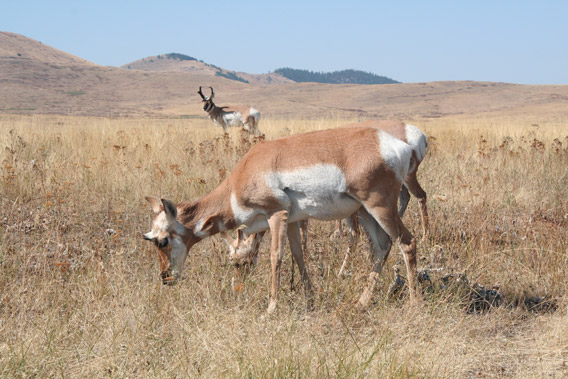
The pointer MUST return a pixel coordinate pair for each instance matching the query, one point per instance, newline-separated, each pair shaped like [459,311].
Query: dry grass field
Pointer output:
[80,293]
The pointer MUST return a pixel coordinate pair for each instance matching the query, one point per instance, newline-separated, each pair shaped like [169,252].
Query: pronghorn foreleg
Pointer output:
[278,223]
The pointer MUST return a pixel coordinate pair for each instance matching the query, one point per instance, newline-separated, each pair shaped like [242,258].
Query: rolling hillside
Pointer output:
[182,63]
[35,78]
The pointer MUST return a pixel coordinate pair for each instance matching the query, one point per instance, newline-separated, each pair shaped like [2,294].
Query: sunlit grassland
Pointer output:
[80,294]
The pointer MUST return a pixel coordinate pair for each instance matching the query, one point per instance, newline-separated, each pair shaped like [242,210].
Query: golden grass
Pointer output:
[80,294]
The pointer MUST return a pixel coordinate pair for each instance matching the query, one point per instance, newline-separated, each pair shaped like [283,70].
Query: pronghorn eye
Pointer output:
[162,243]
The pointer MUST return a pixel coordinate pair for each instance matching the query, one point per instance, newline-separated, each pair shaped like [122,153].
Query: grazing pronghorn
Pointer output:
[246,117]
[245,248]
[326,175]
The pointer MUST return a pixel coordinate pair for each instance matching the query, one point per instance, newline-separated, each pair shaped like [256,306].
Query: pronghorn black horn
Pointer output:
[212,93]
[201,93]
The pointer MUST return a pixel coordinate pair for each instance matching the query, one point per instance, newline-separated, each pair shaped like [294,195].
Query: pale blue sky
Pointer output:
[410,41]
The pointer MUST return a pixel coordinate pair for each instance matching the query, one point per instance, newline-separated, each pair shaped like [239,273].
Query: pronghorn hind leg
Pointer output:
[417,191]
[294,237]
[404,198]
[278,223]
[392,224]
[250,125]
[380,246]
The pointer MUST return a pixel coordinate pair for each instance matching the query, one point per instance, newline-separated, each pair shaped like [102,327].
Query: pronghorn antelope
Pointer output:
[247,117]
[326,175]
[245,248]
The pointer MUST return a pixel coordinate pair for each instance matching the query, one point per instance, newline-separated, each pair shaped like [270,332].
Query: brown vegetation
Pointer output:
[81,296]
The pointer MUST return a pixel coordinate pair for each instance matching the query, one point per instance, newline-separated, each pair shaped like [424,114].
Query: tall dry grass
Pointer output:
[80,294]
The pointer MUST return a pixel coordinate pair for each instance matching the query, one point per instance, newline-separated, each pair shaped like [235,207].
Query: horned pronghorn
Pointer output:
[246,117]
[244,250]
[326,175]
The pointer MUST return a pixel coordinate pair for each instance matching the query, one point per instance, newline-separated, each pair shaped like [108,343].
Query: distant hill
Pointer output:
[15,47]
[335,77]
[39,79]
[164,63]
[176,62]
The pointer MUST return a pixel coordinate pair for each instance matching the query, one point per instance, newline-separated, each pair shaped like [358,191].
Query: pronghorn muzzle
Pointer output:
[160,243]
[168,278]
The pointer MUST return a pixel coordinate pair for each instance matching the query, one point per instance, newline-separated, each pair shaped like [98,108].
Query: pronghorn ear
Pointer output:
[155,203]
[170,208]
[240,236]
[208,224]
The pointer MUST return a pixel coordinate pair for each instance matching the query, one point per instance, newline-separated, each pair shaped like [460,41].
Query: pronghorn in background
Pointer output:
[246,117]
[325,175]
[244,250]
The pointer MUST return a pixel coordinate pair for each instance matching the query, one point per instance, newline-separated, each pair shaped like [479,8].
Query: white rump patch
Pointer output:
[417,140]
[255,113]
[396,154]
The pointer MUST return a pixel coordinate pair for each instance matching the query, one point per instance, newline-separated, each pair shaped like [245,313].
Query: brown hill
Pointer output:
[19,48]
[180,63]
[35,78]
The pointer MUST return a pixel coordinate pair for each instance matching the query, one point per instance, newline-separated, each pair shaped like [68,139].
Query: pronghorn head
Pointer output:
[207,101]
[244,249]
[168,235]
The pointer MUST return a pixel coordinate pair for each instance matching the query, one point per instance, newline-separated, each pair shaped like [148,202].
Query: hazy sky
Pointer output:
[410,41]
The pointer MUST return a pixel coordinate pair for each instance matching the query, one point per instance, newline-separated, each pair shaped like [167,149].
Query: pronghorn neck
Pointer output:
[210,107]
[209,215]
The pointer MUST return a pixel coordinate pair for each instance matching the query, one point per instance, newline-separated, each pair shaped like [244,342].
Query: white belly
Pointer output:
[303,208]
[326,207]
[318,192]
[233,119]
